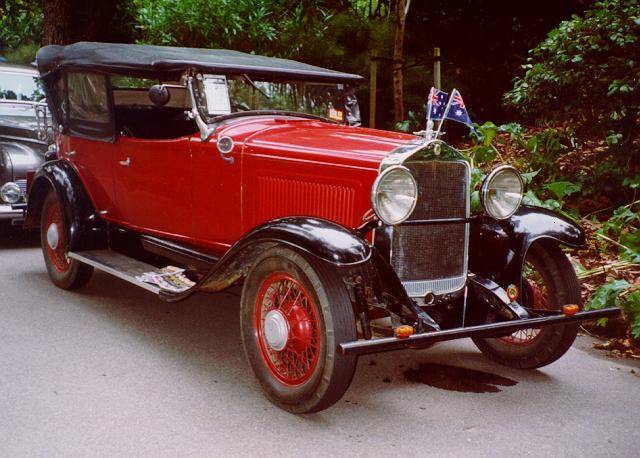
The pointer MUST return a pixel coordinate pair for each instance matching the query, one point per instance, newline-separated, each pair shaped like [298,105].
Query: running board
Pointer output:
[118,265]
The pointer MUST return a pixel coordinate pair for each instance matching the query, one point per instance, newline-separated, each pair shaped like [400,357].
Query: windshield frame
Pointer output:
[199,98]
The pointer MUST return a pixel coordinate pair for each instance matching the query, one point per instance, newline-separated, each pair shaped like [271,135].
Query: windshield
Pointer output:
[20,86]
[246,94]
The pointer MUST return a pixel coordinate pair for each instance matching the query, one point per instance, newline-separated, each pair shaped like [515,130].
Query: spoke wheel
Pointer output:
[63,271]
[288,329]
[56,239]
[295,312]
[535,295]
[549,282]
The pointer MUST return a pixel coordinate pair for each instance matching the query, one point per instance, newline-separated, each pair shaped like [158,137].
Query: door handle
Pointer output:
[126,162]
[71,154]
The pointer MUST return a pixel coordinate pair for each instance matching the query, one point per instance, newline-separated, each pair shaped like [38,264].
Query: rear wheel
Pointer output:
[549,282]
[295,312]
[66,273]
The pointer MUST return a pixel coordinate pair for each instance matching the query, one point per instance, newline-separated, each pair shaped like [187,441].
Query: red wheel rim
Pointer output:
[538,300]
[285,298]
[57,255]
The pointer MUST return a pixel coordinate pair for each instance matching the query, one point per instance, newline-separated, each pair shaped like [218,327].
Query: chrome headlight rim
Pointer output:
[10,187]
[486,188]
[374,194]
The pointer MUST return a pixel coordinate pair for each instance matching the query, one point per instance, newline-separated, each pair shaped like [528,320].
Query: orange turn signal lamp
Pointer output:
[570,309]
[404,331]
[513,292]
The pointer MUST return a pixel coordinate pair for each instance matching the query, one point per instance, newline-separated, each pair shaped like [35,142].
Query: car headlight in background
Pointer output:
[10,193]
[502,192]
[394,195]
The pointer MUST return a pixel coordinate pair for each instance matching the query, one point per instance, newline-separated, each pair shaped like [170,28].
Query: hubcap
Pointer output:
[53,237]
[276,330]
[56,246]
[287,329]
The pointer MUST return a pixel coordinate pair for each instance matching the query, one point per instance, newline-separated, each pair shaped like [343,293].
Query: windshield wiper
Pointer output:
[255,86]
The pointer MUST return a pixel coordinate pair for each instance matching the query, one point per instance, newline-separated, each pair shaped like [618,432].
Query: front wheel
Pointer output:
[294,313]
[548,282]
[64,272]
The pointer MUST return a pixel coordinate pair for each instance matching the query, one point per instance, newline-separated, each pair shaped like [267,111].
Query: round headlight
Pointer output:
[394,195]
[10,193]
[502,192]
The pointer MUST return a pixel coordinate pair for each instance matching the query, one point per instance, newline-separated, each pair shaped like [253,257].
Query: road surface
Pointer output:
[110,370]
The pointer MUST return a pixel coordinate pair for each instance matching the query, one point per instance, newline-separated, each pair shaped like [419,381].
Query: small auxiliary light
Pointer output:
[513,292]
[404,331]
[570,309]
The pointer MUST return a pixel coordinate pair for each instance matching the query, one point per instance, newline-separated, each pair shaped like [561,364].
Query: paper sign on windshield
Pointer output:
[217,94]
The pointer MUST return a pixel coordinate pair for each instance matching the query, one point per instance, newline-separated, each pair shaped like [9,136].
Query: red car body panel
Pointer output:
[184,190]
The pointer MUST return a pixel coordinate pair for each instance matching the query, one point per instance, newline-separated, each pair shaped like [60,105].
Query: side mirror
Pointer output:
[159,95]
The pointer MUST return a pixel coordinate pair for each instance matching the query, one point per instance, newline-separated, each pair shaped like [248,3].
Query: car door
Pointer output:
[217,193]
[87,142]
[153,185]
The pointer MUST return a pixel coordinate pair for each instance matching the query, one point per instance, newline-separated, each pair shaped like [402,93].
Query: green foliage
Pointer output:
[619,293]
[586,69]
[20,24]
[414,122]
[23,54]
[562,188]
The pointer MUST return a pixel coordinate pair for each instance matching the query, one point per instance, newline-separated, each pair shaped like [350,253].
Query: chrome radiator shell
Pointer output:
[432,257]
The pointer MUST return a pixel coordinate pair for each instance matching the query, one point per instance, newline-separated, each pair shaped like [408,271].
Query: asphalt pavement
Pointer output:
[110,370]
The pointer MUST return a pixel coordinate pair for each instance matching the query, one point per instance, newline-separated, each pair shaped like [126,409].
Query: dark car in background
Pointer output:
[25,136]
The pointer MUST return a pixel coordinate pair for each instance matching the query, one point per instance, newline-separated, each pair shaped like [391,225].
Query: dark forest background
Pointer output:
[483,43]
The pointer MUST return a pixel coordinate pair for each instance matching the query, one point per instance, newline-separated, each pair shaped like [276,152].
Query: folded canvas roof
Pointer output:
[170,62]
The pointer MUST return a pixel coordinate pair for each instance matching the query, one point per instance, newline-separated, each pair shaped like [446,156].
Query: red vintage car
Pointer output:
[191,170]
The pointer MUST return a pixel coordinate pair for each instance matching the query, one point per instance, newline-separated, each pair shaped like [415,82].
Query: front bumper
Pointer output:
[362,347]
[13,213]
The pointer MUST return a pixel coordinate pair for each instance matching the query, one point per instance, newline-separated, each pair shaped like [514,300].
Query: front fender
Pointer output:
[321,238]
[21,158]
[86,230]
[497,249]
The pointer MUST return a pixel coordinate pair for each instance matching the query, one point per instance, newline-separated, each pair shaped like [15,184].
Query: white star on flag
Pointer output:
[458,112]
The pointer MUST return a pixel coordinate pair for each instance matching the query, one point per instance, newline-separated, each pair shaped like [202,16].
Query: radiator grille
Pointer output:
[279,197]
[434,257]
[22,184]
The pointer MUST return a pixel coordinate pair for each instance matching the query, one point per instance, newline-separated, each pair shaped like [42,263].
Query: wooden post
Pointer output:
[373,85]
[436,68]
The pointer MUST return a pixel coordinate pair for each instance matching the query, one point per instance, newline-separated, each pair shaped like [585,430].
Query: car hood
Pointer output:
[314,140]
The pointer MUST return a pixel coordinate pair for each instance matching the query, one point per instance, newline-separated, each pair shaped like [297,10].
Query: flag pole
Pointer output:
[446,112]
[429,127]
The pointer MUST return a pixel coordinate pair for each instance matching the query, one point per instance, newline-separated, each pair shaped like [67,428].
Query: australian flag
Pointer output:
[436,104]
[457,111]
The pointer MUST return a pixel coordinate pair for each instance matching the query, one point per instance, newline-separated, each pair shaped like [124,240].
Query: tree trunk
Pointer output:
[57,21]
[68,21]
[398,60]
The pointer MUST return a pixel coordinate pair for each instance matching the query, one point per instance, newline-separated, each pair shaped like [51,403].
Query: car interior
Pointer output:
[137,116]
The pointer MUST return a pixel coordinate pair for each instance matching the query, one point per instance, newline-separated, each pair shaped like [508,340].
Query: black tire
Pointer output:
[65,273]
[562,287]
[332,372]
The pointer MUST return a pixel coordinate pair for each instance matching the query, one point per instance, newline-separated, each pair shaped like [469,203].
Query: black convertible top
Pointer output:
[170,62]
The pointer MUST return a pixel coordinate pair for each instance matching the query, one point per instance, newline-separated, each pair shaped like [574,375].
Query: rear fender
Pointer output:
[498,249]
[86,230]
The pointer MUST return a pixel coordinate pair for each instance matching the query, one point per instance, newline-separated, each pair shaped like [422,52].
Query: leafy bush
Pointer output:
[586,70]
[20,24]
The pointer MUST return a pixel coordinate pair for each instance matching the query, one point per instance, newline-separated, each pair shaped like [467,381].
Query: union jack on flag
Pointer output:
[436,104]
[457,111]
